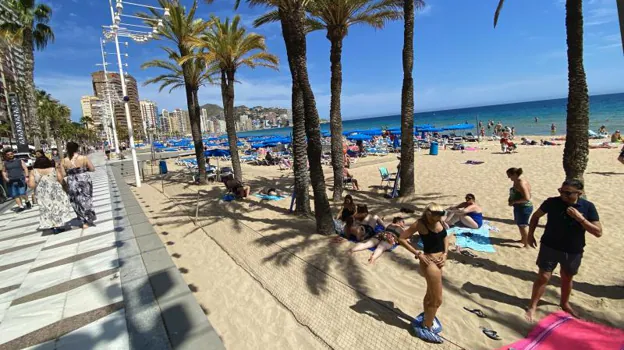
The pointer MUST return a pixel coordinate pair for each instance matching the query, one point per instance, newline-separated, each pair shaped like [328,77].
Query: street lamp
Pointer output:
[116,30]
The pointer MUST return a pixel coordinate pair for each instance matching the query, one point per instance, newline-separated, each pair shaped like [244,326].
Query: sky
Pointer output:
[460,59]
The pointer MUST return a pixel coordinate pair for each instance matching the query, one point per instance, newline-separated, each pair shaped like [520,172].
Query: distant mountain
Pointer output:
[213,110]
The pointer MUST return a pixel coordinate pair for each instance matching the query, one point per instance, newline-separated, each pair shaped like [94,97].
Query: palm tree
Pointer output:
[44,102]
[292,18]
[227,47]
[32,27]
[576,149]
[406,171]
[86,121]
[335,17]
[178,28]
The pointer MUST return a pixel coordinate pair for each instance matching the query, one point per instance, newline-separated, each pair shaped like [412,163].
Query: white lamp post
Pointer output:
[115,31]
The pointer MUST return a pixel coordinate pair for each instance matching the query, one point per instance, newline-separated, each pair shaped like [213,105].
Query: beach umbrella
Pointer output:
[358,137]
[217,152]
[459,127]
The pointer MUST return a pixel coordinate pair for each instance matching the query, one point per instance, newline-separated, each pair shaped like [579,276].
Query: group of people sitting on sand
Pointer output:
[370,230]
[569,217]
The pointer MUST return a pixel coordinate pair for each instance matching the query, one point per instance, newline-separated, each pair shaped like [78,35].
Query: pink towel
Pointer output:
[559,331]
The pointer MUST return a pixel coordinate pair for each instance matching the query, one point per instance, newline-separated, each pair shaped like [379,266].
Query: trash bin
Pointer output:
[163,166]
[433,150]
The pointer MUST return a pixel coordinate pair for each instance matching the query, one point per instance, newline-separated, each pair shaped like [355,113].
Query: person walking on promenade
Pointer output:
[568,218]
[54,207]
[14,174]
[76,168]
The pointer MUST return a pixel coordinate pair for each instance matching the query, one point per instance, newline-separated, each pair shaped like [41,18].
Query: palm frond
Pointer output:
[313,24]
[42,13]
[498,10]
[42,36]
[269,17]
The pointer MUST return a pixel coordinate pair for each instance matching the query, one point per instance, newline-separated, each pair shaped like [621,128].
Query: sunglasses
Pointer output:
[438,212]
[569,193]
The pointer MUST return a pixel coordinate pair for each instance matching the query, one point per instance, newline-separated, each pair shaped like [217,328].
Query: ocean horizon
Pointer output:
[607,110]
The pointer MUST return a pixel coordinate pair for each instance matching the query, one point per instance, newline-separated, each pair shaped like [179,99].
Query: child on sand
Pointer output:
[568,218]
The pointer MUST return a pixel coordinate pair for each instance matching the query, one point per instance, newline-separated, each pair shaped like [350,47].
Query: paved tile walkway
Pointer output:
[94,288]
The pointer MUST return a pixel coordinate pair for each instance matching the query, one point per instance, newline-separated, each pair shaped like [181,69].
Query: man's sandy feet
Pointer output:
[530,315]
[567,308]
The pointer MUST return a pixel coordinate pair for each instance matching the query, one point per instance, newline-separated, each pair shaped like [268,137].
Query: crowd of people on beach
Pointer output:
[569,217]
[62,187]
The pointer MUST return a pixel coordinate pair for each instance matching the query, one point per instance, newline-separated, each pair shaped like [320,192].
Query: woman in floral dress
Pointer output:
[76,170]
[54,208]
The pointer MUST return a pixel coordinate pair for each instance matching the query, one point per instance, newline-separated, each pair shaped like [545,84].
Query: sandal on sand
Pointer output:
[468,253]
[491,334]
[476,312]
[427,335]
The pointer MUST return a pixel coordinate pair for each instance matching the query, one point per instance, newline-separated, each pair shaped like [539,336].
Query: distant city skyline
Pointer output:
[474,66]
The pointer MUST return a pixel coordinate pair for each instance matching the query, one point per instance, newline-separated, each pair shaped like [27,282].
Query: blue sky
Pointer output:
[460,60]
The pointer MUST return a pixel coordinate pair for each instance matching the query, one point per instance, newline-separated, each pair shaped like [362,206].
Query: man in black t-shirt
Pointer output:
[569,217]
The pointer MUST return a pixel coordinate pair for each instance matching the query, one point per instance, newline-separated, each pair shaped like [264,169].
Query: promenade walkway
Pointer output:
[111,286]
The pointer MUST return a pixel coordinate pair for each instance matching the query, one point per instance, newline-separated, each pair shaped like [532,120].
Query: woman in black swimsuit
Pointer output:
[348,209]
[383,240]
[432,230]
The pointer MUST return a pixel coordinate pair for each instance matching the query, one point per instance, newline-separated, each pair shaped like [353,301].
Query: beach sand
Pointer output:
[280,286]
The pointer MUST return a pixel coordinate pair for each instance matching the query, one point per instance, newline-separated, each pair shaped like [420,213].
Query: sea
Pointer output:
[607,110]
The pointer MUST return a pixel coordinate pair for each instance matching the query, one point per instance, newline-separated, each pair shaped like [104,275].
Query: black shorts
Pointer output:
[548,259]
[107,151]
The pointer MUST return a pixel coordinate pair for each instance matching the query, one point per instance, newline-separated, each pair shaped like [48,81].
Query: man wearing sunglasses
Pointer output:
[568,218]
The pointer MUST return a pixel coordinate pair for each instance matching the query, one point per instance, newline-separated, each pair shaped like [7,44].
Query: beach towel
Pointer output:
[475,239]
[228,197]
[269,197]
[559,330]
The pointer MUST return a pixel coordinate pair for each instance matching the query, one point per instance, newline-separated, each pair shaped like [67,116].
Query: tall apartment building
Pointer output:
[114,82]
[182,118]
[93,109]
[165,124]
[149,114]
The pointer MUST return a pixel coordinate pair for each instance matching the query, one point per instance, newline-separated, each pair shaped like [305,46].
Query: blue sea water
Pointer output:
[605,110]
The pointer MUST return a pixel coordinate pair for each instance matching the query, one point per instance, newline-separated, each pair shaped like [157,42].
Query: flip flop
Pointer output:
[468,254]
[427,335]
[476,312]
[418,322]
[491,334]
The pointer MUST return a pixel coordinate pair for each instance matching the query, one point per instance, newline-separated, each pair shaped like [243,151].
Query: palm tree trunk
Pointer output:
[299,142]
[407,104]
[576,148]
[300,157]
[192,102]
[335,118]
[29,70]
[195,120]
[227,89]
[296,49]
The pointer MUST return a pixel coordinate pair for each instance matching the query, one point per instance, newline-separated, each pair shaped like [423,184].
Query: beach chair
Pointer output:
[386,176]
[470,137]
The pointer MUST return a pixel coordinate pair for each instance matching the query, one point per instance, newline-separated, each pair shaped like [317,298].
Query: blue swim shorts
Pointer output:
[16,188]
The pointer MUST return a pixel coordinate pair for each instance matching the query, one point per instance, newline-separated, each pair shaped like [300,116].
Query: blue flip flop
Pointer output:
[427,335]
[418,322]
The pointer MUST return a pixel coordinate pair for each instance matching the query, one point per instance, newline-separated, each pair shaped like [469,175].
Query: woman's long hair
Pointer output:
[72,148]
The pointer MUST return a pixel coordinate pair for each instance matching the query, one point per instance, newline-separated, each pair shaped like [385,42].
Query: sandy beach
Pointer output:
[267,281]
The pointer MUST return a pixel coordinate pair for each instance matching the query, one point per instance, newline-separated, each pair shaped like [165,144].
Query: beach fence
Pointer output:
[340,316]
